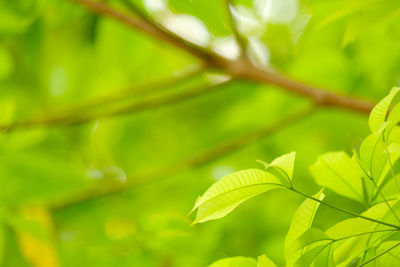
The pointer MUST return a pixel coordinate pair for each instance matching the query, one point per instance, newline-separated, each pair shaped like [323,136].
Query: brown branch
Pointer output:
[243,68]
[152,29]
[196,160]
[238,68]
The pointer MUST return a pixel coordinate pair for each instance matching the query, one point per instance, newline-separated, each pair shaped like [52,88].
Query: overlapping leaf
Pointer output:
[301,222]
[379,112]
[340,173]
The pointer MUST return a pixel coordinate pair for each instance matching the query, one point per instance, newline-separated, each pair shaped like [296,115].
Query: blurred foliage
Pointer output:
[54,54]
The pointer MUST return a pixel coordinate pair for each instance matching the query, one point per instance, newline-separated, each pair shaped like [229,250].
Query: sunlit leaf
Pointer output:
[312,236]
[301,222]
[389,252]
[226,194]
[371,153]
[285,163]
[325,257]
[379,112]
[340,173]
[235,262]
[264,261]
[307,258]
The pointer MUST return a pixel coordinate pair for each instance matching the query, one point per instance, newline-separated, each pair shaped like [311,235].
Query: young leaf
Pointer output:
[235,262]
[226,194]
[325,257]
[285,163]
[353,230]
[307,258]
[310,237]
[281,167]
[371,150]
[264,261]
[301,222]
[379,112]
[391,152]
[393,119]
[394,135]
[340,173]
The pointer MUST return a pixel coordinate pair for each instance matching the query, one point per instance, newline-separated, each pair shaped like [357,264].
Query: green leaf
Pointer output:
[235,262]
[378,114]
[310,237]
[301,222]
[340,173]
[393,152]
[349,247]
[325,257]
[226,194]
[264,261]
[285,163]
[370,153]
[389,252]
[393,119]
[394,135]
[352,232]
[281,167]
[307,258]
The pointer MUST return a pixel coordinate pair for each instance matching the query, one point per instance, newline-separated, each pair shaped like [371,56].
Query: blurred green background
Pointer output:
[55,56]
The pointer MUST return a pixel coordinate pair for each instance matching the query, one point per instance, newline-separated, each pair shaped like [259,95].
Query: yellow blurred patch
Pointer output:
[37,248]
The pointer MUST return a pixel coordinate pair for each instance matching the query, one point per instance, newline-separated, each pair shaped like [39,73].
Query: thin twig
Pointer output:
[241,68]
[196,160]
[345,211]
[153,30]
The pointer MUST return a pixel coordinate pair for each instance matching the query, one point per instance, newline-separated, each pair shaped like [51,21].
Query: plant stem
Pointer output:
[239,68]
[384,198]
[345,211]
